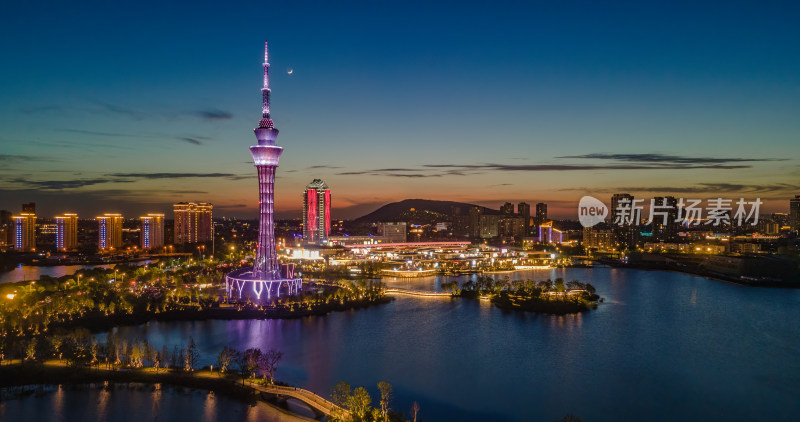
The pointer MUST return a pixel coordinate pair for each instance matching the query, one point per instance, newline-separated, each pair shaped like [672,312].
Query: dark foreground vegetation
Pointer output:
[547,297]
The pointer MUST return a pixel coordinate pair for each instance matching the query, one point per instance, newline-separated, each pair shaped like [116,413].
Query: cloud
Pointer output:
[667,159]
[96,133]
[581,167]
[122,110]
[322,167]
[12,158]
[177,175]
[56,185]
[213,114]
[233,206]
[192,141]
[383,172]
[701,188]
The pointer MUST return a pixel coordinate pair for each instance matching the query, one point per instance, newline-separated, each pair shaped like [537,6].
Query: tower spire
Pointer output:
[266,121]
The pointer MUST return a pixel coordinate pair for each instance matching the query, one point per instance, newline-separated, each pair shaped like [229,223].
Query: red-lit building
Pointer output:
[316,212]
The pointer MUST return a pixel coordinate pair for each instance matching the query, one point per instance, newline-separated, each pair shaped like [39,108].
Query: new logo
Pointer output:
[591,211]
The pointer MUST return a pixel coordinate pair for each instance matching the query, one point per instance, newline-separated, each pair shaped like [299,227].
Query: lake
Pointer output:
[663,346]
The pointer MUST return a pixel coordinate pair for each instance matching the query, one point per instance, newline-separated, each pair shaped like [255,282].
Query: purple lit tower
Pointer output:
[265,276]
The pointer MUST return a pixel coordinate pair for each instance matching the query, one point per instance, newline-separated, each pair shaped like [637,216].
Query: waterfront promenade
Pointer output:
[57,372]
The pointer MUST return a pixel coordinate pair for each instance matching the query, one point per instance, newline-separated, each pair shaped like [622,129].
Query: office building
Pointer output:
[24,232]
[541,213]
[152,231]
[67,232]
[193,222]
[6,228]
[109,231]
[524,211]
[794,213]
[29,208]
[316,212]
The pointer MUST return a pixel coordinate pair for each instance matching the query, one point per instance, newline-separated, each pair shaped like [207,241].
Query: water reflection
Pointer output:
[668,356]
[133,402]
[35,272]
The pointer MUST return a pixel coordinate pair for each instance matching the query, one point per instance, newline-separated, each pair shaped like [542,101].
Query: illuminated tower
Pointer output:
[67,232]
[316,212]
[109,231]
[152,232]
[265,273]
[24,232]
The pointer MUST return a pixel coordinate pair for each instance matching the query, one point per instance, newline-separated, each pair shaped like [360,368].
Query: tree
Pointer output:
[359,404]
[191,355]
[386,394]
[251,359]
[268,363]
[164,356]
[224,359]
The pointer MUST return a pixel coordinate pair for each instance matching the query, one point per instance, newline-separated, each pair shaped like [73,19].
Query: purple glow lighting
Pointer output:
[265,273]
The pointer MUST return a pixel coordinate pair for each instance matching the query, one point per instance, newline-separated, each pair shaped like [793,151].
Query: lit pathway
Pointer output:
[416,293]
[316,402]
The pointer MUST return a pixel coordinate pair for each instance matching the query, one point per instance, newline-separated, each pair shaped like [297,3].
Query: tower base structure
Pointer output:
[245,284]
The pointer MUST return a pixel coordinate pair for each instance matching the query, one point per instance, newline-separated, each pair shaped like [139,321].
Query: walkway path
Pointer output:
[416,292]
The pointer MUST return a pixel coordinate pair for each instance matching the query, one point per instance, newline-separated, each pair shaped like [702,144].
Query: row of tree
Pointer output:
[357,403]
[488,286]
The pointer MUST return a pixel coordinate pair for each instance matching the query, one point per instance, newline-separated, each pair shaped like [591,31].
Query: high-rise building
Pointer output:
[665,217]
[152,231]
[316,212]
[794,213]
[24,232]
[29,208]
[266,275]
[193,222]
[6,228]
[615,215]
[507,208]
[524,211]
[67,232]
[109,231]
[541,213]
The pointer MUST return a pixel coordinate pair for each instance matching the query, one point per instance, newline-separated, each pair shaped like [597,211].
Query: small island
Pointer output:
[546,297]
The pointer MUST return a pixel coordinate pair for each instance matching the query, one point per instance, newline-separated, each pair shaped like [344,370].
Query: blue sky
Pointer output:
[129,107]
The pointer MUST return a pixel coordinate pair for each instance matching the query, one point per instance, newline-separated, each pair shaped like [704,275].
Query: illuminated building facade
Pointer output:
[550,234]
[67,232]
[109,231]
[152,231]
[193,222]
[24,232]
[316,212]
[266,277]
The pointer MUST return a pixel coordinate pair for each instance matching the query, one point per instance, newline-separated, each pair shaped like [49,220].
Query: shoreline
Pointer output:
[54,373]
[102,322]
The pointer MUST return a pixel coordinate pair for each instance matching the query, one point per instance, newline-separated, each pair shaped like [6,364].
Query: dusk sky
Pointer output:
[132,106]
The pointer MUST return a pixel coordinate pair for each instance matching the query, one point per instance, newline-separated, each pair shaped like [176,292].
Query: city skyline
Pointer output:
[538,105]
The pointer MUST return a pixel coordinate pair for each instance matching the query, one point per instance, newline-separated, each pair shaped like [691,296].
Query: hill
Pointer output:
[418,211]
